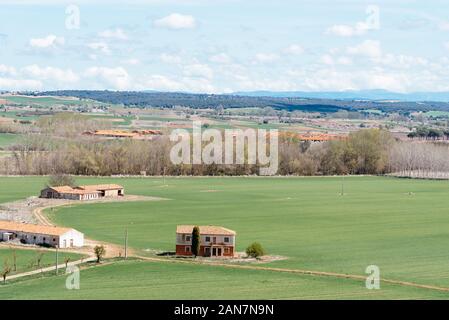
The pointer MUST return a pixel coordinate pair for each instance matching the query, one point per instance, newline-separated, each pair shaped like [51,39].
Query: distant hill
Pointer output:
[374,95]
[284,102]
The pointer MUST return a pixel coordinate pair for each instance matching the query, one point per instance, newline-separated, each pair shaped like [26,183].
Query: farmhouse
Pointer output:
[134,134]
[83,192]
[41,235]
[214,241]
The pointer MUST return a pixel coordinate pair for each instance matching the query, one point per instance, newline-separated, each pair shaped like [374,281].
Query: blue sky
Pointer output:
[224,46]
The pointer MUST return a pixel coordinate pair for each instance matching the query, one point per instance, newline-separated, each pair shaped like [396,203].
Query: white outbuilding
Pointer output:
[40,234]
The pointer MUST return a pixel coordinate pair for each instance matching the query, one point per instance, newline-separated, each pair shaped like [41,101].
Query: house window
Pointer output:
[207,239]
[226,239]
[54,239]
[187,249]
[188,238]
[44,239]
[34,237]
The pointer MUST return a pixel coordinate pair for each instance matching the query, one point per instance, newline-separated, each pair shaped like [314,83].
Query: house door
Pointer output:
[207,252]
[64,244]
[71,242]
[216,252]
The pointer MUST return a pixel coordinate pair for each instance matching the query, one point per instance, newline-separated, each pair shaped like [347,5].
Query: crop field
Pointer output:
[26,260]
[156,280]
[46,101]
[7,139]
[400,225]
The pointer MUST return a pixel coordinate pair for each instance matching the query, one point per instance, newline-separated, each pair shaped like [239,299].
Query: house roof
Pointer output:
[86,189]
[32,228]
[102,187]
[214,230]
[67,189]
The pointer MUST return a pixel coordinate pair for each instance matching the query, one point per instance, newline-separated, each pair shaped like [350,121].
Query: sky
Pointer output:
[223,46]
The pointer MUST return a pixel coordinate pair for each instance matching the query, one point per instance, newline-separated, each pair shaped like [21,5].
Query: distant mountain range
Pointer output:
[374,95]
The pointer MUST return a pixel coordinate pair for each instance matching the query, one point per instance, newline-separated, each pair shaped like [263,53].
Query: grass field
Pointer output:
[7,139]
[153,280]
[26,260]
[400,225]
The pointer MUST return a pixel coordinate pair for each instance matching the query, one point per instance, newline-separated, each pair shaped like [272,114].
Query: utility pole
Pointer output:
[57,259]
[126,243]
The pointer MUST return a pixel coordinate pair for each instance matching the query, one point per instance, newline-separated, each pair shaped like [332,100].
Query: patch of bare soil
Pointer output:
[30,209]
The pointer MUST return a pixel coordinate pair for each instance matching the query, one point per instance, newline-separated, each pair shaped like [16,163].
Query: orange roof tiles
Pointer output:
[32,228]
[67,189]
[214,230]
[102,187]
[95,188]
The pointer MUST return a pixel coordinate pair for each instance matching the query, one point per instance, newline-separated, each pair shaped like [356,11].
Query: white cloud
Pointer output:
[99,46]
[132,61]
[221,58]
[8,70]
[170,58]
[198,71]
[330,60]
[266,57]
[176,21]
[368,48]
[117,77]
[50,73]
[294,49]
[20,84]
[117,34]
[47,42]
[342,30]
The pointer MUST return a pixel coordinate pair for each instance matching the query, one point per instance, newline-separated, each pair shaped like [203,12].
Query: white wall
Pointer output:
[76,236]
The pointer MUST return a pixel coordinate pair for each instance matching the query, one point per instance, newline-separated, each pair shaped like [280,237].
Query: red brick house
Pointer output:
[214,241]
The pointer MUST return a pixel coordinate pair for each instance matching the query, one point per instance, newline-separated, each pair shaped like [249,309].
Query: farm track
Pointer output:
[304,272]
[114,250]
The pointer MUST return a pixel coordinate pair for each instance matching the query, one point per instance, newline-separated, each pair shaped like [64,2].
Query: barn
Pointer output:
[41,235]
[88,192]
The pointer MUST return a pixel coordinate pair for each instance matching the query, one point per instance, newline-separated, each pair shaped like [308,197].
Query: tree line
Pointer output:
[57,146]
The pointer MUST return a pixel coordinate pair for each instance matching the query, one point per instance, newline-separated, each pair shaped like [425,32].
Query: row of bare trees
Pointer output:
[58,146]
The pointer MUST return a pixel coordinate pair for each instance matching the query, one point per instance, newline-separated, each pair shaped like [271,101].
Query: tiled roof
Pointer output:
[102,187]
[214,230]
[32,228]
[86,189]
[67,189]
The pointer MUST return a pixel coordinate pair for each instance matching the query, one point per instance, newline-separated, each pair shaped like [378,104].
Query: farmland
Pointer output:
[26,260]
[399,225]
[8,139]
[155,280]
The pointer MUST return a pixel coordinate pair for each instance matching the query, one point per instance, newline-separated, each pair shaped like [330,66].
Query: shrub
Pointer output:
[255,250]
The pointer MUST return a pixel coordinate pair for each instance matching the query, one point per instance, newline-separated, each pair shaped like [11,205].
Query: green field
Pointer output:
[400,225]
[155,280]
[26,260]
[7,139]
[47,101]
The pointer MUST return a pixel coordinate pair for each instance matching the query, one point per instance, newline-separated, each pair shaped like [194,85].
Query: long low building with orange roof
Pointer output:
[40,234]
[88,192]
